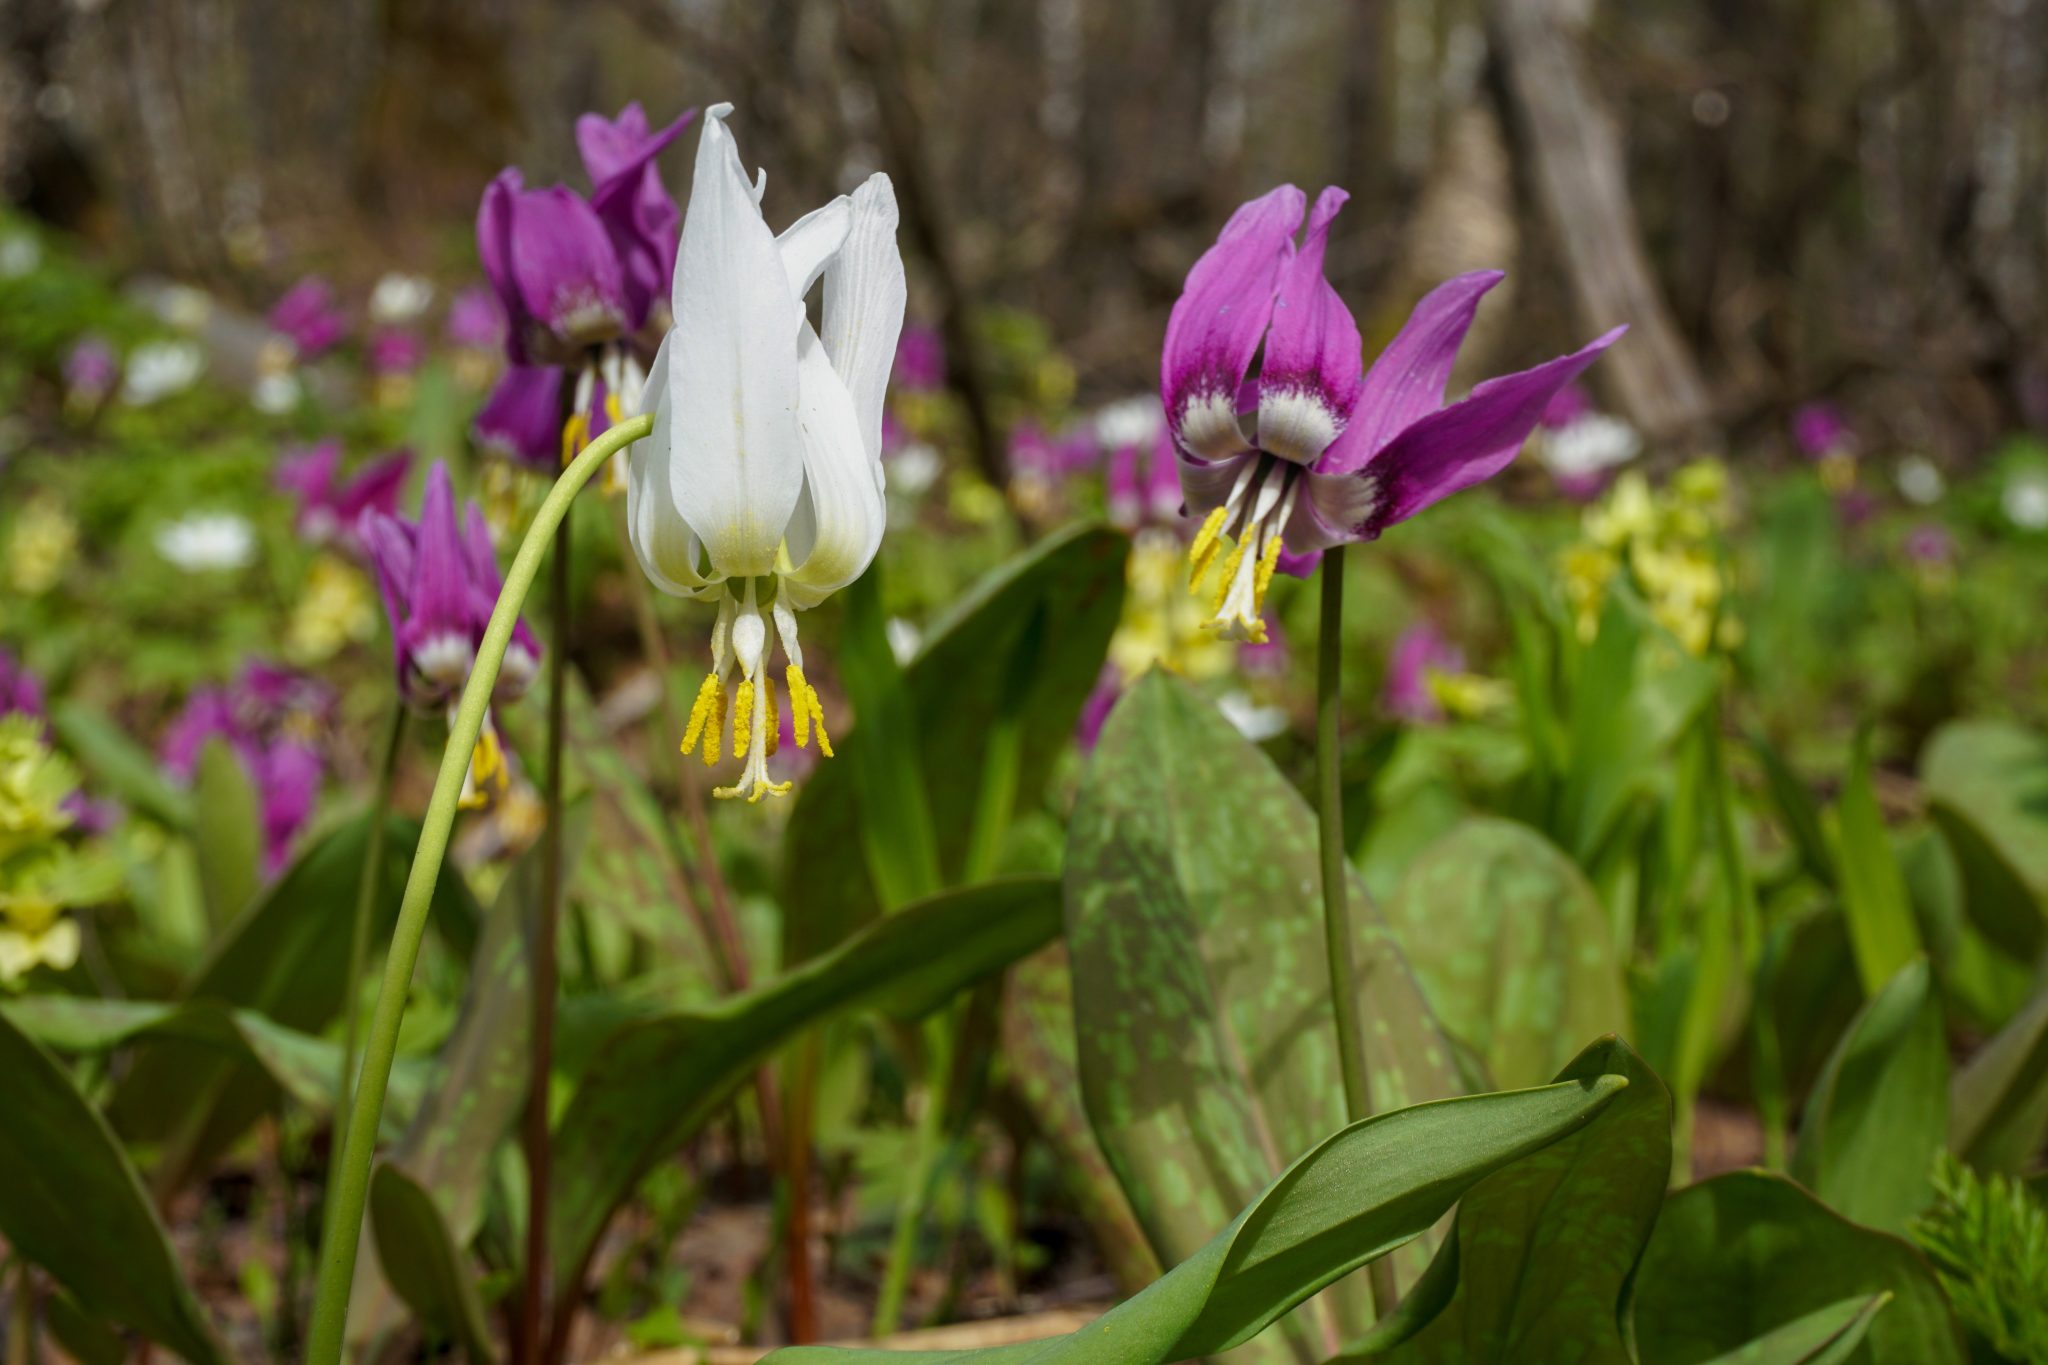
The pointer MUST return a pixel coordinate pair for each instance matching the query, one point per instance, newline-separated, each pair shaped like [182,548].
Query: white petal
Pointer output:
[809,244]
[864,296]
[662,541]
[839,521]
[735,461]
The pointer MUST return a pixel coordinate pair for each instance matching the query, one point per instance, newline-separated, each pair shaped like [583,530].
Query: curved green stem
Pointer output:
[371,878]
[342,1233]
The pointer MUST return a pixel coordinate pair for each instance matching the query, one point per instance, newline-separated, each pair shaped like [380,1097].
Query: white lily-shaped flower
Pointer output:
[761,483]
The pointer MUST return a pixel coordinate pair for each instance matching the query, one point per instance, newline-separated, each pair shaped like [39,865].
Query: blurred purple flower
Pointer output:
[1856,506]
[521,420]
[475,319]
[1419,651]
[269,695]
[282,766]
[287,776]
[1142,484]
[21,691]
[91,371]
[1930,544]
[396,351]
[1339,455]
[1820,430]
[1109,686]
[307,316]
[208,713]
[1267,657]
[330,509]
[1036,454]
[920,359]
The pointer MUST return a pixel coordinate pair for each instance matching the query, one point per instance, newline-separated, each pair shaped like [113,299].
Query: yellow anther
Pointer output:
[1230,568]
[487,773]
[743,718]
[612,412]
[707,715]
[1203,552]
[762,789]
[575,435]
[1268,561]
[772,731]
[806,711]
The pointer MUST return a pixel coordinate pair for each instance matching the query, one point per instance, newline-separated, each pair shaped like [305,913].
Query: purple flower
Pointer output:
[1820,430]
[287,776]
[1266,657]
[269,741]
[475,319]
[329,509]
[1339,454]
[1036,454]
[572,273]
[920,359]
[1930,544]
[1568,405]
[21,691]
[307,316]
[439,581]
[90,372]
[209,713]
[521,420]
[1420,651]
[1109,687]
[396,351]
[268,696]
[1142,483]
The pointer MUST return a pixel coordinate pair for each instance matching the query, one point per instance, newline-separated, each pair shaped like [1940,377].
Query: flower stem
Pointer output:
[1337,943]
[367,886]
[342,1233]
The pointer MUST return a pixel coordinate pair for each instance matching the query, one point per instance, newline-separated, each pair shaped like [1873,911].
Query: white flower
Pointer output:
[20,254]
[761,484]
[1255,722]
[904,638]
[2025,499]
[182,306]
[915,468]
[1920,482]
[158,369]
[1133,421]
[1588,445]
[400,298]
[276,393]
[207,541]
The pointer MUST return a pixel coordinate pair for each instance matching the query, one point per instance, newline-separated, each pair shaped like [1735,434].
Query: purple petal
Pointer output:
[522,654]
[1408,378]
[389,542]
[521,421]
[306,314]
[207,714]
[21,691]
[288,783]
[1468,442]
[439,600]
[476,319]
[1420,650]
[494,247]
[1216,326]
[1312,374]
[308,472]
[1095,711]
[1205,484]
[567,272]
[374,488]
[630,200]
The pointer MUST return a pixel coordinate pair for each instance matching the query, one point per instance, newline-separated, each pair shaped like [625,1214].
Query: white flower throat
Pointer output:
[1252,517]
[740,637]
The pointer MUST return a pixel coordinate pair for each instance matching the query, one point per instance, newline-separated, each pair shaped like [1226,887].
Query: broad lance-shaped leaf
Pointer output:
[1987,785]
[1350,1200]
[1879,1112]
[71,1203]
[656,1081]
[1542,1250]
[302,1066]
[118,765]
[1511,946]
[1999,1103]
[1739,1257]
[1073,580]
[227,832]
[285,958]
[1874,901]
[1201,992]
[1826,1336]
[430,1270]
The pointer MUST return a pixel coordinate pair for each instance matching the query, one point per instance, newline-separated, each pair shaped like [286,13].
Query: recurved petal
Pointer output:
[1313,370]
[809,244]
[1468,442]
[494,246]
[736,462]
[440,585]
[1408,379]
[839,520]
[1219,320]
[1205,484]
[863,313]
[668,550]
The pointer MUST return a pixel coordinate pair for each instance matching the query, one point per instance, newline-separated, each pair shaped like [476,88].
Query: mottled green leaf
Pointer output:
[71,1203]
[1987,784]
[1511,947]
[1879,1112]
[657,1080]
[1074,581]
[1201,989]
[1740,1256]
[1999,1104]
[1349,1200]
[424,1263]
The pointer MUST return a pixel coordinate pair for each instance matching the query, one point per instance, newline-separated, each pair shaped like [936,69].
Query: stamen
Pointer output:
[743,718]
[1230,568]
[772,730]
[1207,541]
[707,714]
[806,710]
[575,435]
[1268,561]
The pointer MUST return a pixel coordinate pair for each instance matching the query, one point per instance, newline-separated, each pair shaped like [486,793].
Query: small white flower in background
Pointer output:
[1920,482]
[915,468]
[1588,446]
[276,393]
[1255,722]
[904,638]
[204,542]
[182,306]
[20,254]
[2025,499]
[400,298]
[1133,421]
[158,369]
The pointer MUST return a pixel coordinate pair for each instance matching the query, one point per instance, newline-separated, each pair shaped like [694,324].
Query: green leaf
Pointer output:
[1074,580]
[656,1081]
[897,832]
[423,1262]
[227,832]
[1879,1112]
[1981,982]
[1511,947]
[118,765]
[1999,1103]
[1881,928]
[85,1338]
[1826,1336]
[1799,811]
[1350,1200]
[1201,991]
[1542,1250]
[284,958]
[72,1204]
[1987,785]
[1740,1256]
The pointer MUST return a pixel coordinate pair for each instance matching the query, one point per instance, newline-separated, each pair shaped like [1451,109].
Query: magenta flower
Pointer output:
[475,321]
[1930,544]
[396,351]
[920,359]
[269,696]
[308,318]
[330,508]
[573,273]
[521,420]
[91,371]
[1819,430]
[1142,483]
[21,691]
[1035,453]
[1266,657]
[259,721]
[288,777]
[1109,688]
[1334,453]
[1419,651]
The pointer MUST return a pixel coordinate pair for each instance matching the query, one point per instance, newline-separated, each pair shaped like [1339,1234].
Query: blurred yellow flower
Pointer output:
[335,609]
[1468,696]
[1667,543]
[1162,623]
[44,543]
